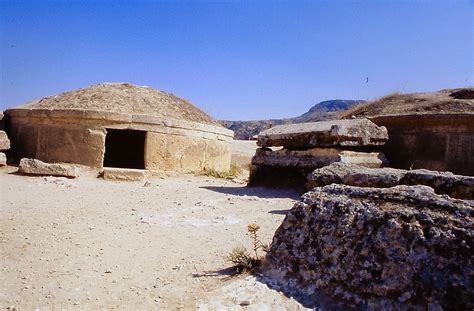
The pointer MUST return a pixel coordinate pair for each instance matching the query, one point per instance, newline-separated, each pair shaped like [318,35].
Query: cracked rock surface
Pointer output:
[456,186]
[399,248]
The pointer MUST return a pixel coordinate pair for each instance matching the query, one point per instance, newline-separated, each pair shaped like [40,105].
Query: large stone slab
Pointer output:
[185,154]
[345,133]
[316,157]
[353,248]
[4,141]
[68,143]
[456,186]
[124,174]
[37,167]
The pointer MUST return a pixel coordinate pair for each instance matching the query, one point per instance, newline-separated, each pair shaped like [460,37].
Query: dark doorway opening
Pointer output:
[125,149]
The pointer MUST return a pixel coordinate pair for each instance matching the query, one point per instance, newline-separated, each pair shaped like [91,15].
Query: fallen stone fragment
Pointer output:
[456,186]
[398,248]
[344,133]
[4,141]
[354,175]
[123,174]
[3,159]
[37,167]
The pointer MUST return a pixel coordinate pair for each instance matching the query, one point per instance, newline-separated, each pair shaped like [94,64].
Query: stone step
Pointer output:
[124,174]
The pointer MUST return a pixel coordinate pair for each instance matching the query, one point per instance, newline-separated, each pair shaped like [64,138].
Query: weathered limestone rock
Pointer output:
[353,175]
[316,157]
[2,125]
[3,159]
[122,174]
[399,248]
[4,141]
[37,167]
[456,186]
[345,133]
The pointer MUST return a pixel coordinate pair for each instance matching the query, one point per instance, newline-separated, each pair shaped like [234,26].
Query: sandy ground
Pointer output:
[90,243]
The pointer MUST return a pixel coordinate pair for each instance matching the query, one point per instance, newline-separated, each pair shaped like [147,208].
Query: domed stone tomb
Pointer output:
[120,125]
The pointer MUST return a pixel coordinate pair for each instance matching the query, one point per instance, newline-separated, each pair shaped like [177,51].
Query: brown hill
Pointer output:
[445,101]
[125,98]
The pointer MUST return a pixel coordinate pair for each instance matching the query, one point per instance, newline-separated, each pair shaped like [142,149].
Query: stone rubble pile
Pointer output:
[307,146]
[4,144]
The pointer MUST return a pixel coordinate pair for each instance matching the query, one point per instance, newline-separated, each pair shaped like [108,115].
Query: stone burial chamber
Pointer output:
[434,141]
[427,130]
[120,125]
[308,146]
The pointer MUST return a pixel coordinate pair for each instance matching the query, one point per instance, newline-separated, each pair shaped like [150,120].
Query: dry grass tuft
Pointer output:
[233,172]
[241,259]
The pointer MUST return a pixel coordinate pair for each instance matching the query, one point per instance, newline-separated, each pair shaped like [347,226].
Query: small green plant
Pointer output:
[233,172]
[242,259]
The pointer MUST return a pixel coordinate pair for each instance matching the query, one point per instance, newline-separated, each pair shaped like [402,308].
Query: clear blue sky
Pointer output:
[237,59]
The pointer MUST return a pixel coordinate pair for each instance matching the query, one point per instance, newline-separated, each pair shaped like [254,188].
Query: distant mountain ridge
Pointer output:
[324,110]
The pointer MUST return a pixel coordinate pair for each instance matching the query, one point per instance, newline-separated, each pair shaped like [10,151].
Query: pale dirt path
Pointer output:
[90,243]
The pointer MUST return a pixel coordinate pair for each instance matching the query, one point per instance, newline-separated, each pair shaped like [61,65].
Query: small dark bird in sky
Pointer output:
[367,80]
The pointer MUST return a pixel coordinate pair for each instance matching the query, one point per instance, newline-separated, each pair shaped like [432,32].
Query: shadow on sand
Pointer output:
[226,272]
[260,192]
[279,212]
